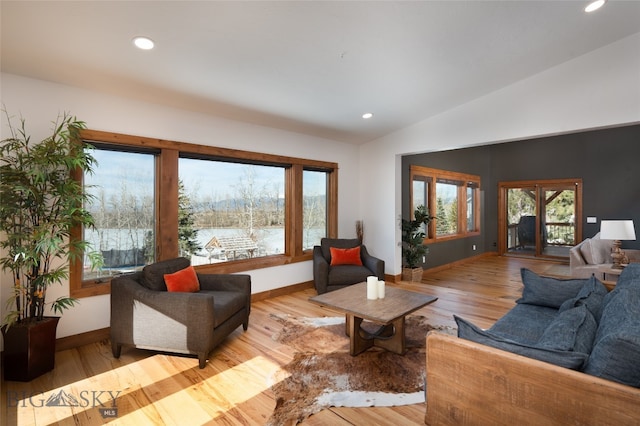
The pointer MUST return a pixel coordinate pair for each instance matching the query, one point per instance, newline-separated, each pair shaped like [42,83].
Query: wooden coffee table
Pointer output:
[390,312]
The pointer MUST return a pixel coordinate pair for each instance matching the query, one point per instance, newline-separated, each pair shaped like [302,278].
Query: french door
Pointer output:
[539,218]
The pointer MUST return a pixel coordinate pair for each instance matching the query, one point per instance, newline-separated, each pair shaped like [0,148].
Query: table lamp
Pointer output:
[617,230]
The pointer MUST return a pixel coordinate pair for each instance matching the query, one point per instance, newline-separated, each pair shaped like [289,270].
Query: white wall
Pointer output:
[39,102]
[598,89]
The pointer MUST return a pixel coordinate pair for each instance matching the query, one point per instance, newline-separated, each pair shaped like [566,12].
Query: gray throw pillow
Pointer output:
[548,291]
[590,295]
[567,359]
[572,330]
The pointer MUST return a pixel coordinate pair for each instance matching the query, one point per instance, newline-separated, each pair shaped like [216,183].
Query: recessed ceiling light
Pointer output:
[144,43]
[367,115]
[594,5]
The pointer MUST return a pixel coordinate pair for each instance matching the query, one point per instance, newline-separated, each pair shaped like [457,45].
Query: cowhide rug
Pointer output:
[322,373]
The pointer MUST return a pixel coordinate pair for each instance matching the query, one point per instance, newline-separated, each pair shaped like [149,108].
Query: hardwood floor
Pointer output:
[233,389]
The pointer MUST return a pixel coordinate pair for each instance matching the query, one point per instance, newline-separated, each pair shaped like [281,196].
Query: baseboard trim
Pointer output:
[461,262]
[398,278]
[81,339]
[256,297]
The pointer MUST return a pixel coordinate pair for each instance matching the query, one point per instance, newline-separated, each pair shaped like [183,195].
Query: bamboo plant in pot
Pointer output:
[413,248]
[41,204]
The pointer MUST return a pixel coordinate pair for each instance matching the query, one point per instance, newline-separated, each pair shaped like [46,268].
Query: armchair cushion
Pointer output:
[226,304]
[185,280]
[348,274]
[153,275]
[348,256]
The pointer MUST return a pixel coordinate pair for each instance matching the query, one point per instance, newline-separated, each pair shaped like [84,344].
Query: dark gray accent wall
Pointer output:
[607,161]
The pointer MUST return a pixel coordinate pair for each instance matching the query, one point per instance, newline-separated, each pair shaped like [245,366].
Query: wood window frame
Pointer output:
[167,203]
[431,176]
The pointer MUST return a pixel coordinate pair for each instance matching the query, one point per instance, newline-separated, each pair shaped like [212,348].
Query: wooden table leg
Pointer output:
[358,341]
[396,342]
[390,336]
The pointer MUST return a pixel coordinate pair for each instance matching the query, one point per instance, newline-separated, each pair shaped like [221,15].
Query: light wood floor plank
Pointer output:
[234,388]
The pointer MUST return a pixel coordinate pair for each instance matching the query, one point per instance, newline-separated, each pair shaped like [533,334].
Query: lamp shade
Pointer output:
[617,230]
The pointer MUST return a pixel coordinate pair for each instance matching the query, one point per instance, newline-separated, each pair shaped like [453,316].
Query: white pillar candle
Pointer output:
[372,287]
[380,289]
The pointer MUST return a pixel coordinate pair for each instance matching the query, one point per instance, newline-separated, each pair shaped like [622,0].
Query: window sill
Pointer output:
[93,288]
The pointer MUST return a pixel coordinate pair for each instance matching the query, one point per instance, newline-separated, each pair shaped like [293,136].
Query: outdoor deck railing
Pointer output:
[558,234]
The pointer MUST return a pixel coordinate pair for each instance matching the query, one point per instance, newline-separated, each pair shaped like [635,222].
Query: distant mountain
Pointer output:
[231,203]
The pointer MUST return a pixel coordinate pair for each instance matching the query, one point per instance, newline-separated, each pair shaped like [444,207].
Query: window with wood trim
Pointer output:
[122,204]
[227,210]
[452,199]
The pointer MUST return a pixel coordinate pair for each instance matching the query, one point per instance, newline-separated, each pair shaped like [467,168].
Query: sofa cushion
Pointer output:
[572,330]
[615,357]
[623,310]
[348,256]
[524,323]
[616,350]
[548,291]
[153,274]
[590,295]
[629,278]
[184,281]
[568,359]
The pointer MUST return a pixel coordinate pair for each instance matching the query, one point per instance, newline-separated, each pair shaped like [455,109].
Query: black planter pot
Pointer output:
[29,349]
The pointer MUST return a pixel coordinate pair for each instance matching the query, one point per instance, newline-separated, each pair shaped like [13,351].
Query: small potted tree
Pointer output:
[413,249]
[41,203]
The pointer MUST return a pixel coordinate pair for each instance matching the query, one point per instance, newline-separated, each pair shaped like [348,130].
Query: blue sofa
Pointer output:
[568,352]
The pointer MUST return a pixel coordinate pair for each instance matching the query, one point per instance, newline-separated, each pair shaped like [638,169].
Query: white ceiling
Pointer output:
[312,67]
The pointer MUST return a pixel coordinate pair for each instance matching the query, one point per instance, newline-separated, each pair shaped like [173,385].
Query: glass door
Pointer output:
[521,217]
[540,218]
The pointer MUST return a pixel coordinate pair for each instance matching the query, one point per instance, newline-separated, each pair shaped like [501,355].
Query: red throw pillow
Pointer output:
[185,281]
[350,256]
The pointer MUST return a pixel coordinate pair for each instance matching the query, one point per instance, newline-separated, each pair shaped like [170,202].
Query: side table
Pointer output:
[609,274]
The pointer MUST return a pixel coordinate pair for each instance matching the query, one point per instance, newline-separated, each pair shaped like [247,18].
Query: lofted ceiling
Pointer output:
[312,67]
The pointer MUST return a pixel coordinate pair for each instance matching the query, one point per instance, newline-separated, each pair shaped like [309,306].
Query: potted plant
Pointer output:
[41,203]
[413,249]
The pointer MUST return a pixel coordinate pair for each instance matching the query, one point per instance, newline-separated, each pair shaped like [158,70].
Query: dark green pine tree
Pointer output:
[187,234]
[442,220]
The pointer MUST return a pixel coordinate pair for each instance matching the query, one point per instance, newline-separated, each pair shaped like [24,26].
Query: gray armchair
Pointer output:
[327,278]
[145,315]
